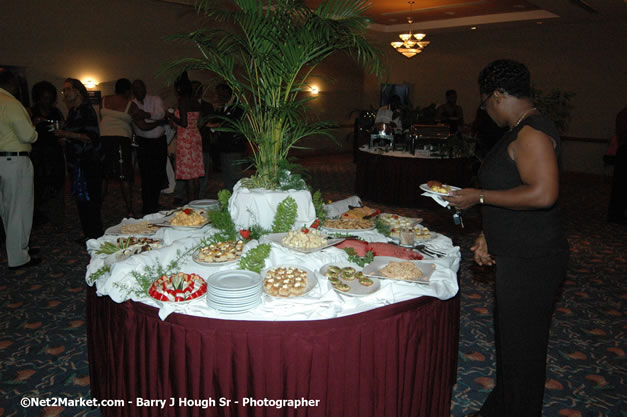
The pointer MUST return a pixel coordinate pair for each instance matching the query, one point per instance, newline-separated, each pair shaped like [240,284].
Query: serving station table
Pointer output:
[394,177]
[390,353]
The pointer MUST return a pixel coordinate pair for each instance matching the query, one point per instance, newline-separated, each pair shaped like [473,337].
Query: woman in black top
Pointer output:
[81,137]
[521,235]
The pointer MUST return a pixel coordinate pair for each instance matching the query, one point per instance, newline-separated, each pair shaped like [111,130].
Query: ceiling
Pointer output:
[392,15]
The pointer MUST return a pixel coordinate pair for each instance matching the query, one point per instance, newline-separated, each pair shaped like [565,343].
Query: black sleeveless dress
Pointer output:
[531,253]
[519,233]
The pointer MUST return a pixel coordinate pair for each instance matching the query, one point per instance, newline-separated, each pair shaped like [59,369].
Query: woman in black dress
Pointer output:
[83,155]
[521,235]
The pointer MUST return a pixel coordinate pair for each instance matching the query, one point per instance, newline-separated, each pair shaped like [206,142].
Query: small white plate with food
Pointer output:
[286,281]
[436,187]
[306,240]
[388,267]
[348,279]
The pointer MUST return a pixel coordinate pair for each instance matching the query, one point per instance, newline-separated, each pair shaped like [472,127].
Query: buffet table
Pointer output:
[394,177]
[391,353]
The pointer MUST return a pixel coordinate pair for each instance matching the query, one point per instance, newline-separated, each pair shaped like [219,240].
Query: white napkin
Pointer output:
[436,198]
[342,206]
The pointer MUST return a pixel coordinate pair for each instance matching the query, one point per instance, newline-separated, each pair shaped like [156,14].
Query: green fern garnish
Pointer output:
[285,216]
[318,203]
[359,260]
[382,227]
[98,274]
[255,259]
[223,198]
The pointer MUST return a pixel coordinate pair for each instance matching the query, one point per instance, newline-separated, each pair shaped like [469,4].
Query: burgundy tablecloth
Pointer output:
[396,180]
[399,360]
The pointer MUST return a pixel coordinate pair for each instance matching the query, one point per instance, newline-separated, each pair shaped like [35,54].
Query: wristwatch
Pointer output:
[481,197]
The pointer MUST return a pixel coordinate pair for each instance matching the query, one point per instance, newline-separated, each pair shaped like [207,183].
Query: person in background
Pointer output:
[206,109]
[232,146]
[116,115]
[83,152]
[390,114]
[189,163]
[450,112]
[618,196]
[47,154]
[522,236]
[152,153]
[17,133]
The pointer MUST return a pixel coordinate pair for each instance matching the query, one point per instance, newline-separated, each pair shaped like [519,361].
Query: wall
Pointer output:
[586,58]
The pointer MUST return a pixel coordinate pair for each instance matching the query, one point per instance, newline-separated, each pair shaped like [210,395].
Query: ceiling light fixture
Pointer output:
[412,43]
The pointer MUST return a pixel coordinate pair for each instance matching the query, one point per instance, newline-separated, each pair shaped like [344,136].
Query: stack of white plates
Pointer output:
[234,291]
[204,204]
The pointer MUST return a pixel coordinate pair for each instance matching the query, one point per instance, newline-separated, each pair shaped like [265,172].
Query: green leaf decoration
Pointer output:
[382,227]
[98,274]
[359,260]
[285,216]
[255,259]
[318,203]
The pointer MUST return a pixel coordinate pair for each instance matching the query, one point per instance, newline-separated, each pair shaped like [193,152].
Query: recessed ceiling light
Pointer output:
[473,28]
[538,23]
[450,13]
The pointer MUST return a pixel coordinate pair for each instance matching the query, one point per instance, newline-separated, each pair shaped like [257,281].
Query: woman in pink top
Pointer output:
[117,112]
[189,163]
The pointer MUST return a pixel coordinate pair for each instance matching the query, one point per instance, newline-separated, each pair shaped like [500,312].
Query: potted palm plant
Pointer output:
[265,51]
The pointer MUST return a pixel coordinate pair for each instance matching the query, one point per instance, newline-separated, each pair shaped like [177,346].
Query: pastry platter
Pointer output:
[348,279]
[287,281]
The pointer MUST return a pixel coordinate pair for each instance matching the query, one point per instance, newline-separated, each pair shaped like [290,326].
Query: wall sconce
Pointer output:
[314,90]
[90,83]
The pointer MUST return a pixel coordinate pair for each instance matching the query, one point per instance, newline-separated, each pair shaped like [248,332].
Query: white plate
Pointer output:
[117,229]
[198,279]
[278,239]
[345,231]
[412,220]
[204,204]
[195,259]
[311,280]
[234,280]
[356,289]
[166,223]
[425,187]
[372,269]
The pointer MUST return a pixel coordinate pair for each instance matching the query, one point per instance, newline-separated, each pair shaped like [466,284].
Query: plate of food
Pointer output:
[422,233]
[186,218]
[348,279]
[287,281]
[125,247]
[359,213]
[178,288]
[387,267]
[220,253]
[436,187]
[306,240]
[348,225]
[133,227]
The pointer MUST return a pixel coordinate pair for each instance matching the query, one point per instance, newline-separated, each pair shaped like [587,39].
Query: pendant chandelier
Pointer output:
[412,43]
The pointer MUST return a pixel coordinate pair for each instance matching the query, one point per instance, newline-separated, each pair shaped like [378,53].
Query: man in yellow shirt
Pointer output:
[16,172]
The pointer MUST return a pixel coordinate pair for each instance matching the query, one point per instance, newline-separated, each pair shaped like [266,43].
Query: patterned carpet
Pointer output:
[42,330]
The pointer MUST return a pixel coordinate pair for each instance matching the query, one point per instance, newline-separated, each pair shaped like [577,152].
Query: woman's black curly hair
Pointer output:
[506,76]
[43,87]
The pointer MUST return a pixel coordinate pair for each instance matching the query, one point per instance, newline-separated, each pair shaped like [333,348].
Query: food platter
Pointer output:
[178,288]
[355,289]
[278,239]
[312,281]
[373,269]
[425,187]
[137,227]
[347,230]
[229,262]
[166,222]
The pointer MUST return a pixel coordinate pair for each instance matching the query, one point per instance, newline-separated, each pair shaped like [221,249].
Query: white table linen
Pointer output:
[322,302]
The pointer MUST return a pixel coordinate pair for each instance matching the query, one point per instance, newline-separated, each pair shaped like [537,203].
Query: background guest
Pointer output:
[391,114]
[152,153]
[116,115]
[81,137]
[17,133]
[618,197]
[522,235]
[47,153]
[207,136]
[189,161]
[450,112]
